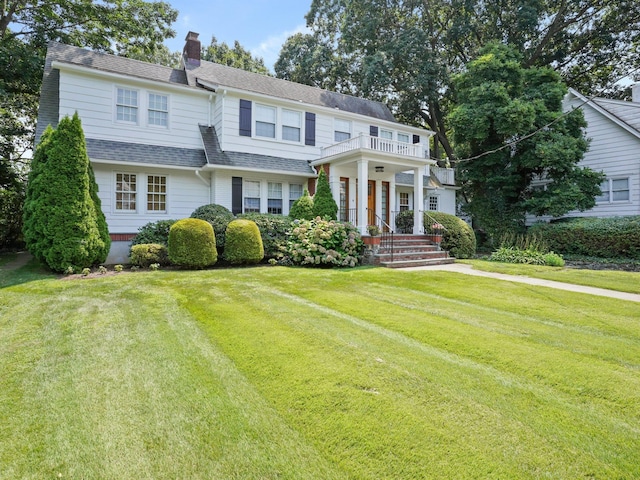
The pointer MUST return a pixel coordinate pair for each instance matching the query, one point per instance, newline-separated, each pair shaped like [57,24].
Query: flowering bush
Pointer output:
[321,242]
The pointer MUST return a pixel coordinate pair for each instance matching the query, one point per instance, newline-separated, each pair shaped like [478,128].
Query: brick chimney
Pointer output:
[635,93]
[191,51]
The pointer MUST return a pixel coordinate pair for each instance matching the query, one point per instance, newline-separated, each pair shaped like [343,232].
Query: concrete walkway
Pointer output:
[468,270]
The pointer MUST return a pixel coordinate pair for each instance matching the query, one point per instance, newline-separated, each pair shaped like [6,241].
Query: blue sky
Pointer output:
[260,26]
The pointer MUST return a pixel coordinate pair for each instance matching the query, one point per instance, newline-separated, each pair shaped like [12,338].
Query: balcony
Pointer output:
[444,175]
[376,144]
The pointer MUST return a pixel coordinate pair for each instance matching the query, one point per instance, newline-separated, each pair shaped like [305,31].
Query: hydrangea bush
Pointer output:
[321,242]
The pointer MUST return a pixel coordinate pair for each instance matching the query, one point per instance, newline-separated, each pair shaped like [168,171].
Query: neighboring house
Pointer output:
[165,141]
[613,127]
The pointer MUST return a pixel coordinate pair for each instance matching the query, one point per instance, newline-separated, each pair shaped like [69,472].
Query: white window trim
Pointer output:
[166,194]
[610,181]
[116,104]
[278,125]
[148,109]
[114,193]
[260,194]
[142,190]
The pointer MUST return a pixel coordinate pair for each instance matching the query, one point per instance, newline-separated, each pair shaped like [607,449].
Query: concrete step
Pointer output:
[417,263]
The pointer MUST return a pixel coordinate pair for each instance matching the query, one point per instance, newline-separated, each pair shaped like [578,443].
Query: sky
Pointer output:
[261,26]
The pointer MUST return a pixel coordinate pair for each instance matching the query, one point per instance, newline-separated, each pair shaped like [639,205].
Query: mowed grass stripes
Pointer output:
[295,373]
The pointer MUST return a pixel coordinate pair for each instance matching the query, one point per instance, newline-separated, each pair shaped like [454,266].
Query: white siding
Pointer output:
[94,100]
[185,192]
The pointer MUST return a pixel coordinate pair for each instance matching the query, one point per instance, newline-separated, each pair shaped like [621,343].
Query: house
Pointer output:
[165,141]
[613,128]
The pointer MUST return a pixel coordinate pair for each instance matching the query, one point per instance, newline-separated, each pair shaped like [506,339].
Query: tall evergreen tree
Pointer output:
[63,226]
[324,206]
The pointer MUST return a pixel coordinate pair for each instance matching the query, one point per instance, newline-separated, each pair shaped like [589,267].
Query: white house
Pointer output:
[165,141]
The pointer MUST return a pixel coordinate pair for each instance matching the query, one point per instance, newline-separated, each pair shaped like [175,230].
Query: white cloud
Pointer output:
[270,48]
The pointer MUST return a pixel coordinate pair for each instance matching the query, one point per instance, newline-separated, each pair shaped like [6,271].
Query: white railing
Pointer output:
[377,144]
[446,176]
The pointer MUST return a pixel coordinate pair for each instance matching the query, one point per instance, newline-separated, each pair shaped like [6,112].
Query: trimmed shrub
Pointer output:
[529,256]
[324,206]
[273,230]
[404,221]
[192,243]
[458,238]
[144,254]
[218,216]
[617,237]
[153,232]
[322,242]
[63,226]
[302,208]
[244,243]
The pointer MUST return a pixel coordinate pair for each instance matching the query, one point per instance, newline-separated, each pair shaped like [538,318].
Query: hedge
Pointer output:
[273,230]
[218,216]
[192,243]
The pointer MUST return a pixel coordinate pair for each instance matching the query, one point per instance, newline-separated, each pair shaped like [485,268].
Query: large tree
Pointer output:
[521,151]
[404,52]
[237,57]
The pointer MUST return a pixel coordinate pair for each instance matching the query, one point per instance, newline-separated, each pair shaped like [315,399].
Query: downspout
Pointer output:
[204,180]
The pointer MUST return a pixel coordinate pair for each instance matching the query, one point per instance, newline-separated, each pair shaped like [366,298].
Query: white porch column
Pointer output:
[363,184]
[334,184]
[418,200]
[393,206]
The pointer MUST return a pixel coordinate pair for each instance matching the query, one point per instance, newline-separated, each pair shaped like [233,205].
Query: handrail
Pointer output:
[432,220]
[386,236]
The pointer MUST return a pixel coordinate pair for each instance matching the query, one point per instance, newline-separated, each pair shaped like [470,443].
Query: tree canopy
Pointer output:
[507,173]
[237,57]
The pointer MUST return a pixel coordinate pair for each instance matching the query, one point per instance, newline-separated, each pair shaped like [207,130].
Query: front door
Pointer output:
[371,203]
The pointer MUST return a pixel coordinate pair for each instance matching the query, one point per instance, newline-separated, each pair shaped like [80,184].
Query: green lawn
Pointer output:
[265,373]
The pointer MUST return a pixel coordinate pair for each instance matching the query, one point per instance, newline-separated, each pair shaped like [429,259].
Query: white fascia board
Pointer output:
[606,113]
[142,165]
[351,156]
[249,95]
[81,69]
[212,166]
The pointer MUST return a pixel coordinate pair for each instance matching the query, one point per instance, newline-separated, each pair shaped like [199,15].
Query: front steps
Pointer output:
[410,251]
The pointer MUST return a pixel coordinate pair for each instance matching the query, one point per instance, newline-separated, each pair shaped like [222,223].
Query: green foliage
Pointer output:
[498,100]
[529,256]
[144,254]
[153,232]
[192,243]
[321,242]
[324,206]
[617,237]
[302,208]
[404,221]
[11,201]
[236,57]
[244,243]
[273,230]
[62,224]
[218,216]
[458,237]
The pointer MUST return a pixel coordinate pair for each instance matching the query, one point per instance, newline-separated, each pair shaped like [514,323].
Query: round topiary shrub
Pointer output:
[218,216]
[458,238]
[244,243]
[273,230]
[192,243]
[144,254]
[302,208]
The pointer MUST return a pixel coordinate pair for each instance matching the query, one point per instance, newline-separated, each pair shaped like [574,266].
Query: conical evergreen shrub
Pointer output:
[324,206]
[302,208]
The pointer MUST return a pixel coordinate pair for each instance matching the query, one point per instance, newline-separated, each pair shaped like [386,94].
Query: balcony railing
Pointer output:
[377,144]
[444,175]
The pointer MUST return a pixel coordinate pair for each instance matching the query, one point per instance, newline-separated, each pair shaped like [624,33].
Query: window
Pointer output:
[158,110]
[342,130]
[344,199]
[251,196]
[295,192]
[433,203]
[386,134]
[126,105]
[291,125]
[265,121]
[403,137]
[126,189]
[156,193]
[614,190]
[404,201]
[274,198]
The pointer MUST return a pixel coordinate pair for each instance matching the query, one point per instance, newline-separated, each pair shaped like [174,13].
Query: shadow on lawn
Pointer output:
[29,272]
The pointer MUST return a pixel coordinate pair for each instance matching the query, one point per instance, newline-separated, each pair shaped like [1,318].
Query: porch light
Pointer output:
[379,169]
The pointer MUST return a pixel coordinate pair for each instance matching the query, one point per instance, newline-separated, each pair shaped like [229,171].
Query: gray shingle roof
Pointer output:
[628,112]
[215,156]
[427,181]
[145,154]
[275,87]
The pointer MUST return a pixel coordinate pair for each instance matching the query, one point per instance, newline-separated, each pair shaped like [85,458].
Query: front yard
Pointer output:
[296,373]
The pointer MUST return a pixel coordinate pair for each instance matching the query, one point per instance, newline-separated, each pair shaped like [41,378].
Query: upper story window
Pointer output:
[403,137]
[291,125]
[156,193]
[158,110]
[265,121]
[614,190]
[386,134]
[342,130]
[126,105]
[126,191]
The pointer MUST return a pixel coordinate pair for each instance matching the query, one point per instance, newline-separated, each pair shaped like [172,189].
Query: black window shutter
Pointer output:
[236,195]
[416,139]
[245,118]
[310,129]
[373,130]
